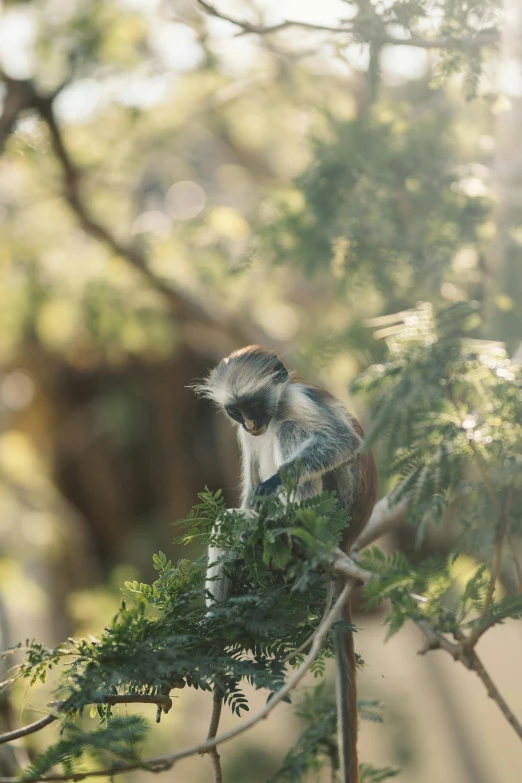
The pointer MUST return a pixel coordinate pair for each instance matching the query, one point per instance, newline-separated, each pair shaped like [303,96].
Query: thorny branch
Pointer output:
[346,27]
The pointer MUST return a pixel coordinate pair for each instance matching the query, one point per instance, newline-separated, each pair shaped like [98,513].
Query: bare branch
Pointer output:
[93,227]
[343,564]
[482,38]
[385,517]
[29,729]
[464,652]
[437,641]
[20,95]
[476,665]
[167,761]
[249,27]
[215,328]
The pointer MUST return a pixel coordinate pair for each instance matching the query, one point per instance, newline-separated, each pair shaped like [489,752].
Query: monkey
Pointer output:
[285,424]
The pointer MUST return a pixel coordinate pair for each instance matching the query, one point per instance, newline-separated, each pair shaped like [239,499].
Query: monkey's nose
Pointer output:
[250,424]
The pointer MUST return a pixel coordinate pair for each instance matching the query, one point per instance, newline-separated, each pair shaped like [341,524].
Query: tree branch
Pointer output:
[481,38]
[476,665]
[462,650]
[385,517]
[167,761]
[29,729]
[19,96]
[217,703]
[72,193]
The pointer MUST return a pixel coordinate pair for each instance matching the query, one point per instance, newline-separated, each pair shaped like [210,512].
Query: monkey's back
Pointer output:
[356,481]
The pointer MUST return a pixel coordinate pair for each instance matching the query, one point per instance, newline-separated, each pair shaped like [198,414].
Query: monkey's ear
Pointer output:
[280,372]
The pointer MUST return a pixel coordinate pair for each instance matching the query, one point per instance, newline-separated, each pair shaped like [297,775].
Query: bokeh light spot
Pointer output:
[17,390]
[185,200]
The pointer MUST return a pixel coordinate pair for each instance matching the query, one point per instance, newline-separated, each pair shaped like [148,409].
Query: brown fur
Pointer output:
[366,497]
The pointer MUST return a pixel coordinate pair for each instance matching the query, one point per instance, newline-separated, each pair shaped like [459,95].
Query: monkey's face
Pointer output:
[254,414]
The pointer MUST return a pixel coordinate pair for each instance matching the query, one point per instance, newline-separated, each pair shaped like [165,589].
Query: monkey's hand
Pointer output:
[269,486]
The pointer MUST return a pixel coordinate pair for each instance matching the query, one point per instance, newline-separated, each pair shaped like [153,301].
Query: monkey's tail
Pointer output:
[347,701]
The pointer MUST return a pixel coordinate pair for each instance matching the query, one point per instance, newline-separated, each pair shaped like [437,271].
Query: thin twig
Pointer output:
[476,665]
[165,762]
[463,652]
[217,703]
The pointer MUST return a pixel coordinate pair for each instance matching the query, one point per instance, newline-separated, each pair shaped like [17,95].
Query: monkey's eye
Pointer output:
[234,413]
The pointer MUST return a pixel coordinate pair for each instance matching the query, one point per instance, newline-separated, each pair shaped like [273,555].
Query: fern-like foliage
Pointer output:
[118,744]
[164,637]
[447,421]
[447,415]
[317,744]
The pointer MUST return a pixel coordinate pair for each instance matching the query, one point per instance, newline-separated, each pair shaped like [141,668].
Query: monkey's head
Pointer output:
[248,385]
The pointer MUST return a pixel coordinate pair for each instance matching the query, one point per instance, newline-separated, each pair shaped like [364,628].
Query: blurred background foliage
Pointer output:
[171,190]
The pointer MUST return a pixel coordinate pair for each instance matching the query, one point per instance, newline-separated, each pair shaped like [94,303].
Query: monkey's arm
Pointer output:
[323,451]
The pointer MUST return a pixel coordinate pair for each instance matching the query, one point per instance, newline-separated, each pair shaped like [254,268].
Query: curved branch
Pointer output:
[93,227]
[385,517]
[29,729]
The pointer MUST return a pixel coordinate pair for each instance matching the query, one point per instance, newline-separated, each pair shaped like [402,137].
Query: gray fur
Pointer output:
[283,423]
[307,427]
